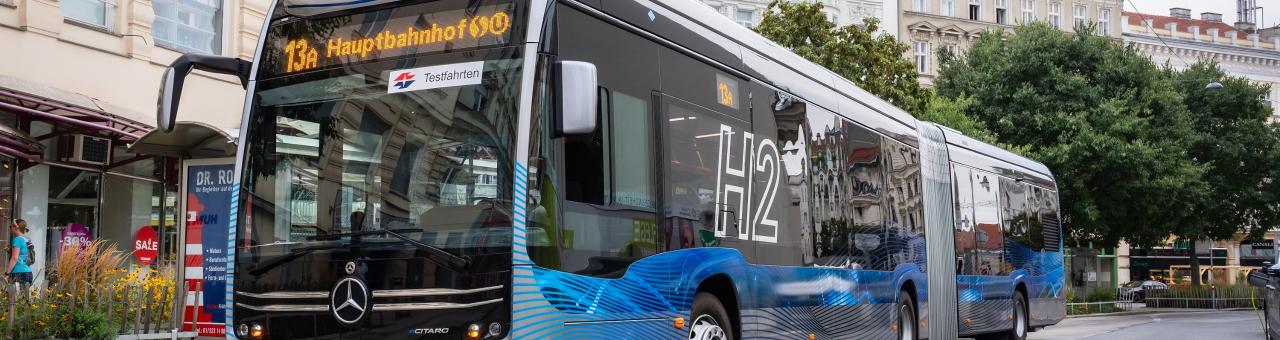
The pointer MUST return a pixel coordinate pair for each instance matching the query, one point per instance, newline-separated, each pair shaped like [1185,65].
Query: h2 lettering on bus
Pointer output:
[754,220]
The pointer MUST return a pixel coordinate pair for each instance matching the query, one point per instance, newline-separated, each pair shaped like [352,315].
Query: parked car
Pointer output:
[1267,280]
[1136,291]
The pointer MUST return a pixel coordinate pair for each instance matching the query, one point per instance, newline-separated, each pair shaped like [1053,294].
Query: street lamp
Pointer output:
[1213,85]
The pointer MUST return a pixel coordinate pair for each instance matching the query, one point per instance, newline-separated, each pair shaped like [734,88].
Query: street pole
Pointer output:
[1213,289]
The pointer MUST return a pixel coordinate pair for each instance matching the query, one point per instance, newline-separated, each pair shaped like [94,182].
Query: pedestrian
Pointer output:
[19,267]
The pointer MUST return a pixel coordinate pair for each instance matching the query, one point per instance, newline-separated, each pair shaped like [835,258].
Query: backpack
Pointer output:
[31,251]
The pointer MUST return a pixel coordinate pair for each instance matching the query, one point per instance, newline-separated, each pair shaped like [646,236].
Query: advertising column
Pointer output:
[208,206]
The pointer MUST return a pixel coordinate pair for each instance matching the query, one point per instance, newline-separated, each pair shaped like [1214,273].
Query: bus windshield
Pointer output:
[419,144]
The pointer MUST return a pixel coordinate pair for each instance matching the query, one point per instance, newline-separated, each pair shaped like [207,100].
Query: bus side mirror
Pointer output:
[579,97]
[176,75]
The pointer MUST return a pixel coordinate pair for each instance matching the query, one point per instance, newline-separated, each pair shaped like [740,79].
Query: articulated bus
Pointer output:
[550,169]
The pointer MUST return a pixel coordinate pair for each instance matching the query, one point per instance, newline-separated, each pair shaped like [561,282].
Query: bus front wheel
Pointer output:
[710,319]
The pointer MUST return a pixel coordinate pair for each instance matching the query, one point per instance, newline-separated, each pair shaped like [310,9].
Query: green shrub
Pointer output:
[86,324]
[1101,294]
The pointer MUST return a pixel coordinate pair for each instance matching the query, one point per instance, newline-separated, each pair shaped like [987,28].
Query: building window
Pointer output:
[1002,12]
[189,25]
[1081,18]
[1028,11]
[975,10]
[922,56]
[1104,21]
[920,5]
[93,12]
[949,7]
[1055,15]
[744,18]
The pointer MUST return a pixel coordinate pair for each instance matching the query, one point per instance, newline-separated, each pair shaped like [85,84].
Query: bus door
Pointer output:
[609,177]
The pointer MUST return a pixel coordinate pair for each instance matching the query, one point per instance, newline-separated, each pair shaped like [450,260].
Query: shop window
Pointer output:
[8,168]
[73,204]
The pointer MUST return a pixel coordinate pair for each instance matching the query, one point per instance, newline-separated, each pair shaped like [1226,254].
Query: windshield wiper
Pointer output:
[282,259]
[441,256]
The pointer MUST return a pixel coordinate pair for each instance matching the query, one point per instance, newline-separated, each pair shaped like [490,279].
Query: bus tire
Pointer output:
[1021,322]
[1021,317]
[908,319]
[710,319]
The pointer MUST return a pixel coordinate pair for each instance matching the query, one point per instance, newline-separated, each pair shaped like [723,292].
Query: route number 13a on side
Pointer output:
[735,205]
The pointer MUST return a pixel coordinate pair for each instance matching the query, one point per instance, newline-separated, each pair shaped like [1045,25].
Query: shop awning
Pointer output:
[188,139]
[68,112]
[17,143]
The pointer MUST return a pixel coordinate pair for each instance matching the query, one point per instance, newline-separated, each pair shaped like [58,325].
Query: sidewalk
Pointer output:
[1143,309]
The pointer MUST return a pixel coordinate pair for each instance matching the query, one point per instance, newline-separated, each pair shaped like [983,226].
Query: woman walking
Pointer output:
[19,267]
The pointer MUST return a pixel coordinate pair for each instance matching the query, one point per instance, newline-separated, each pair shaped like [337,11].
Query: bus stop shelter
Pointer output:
[206,155]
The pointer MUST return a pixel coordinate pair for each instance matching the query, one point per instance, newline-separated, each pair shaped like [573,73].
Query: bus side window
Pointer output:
[706,179]
[779,117]
[1035,228]
[966,235]
[832,236]
[861,194]
[989,236]
[904,205]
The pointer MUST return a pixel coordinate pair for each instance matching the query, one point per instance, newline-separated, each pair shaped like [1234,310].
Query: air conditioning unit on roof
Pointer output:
[84,149]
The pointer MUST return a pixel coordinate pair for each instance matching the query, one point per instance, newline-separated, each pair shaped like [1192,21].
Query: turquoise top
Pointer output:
[20,242]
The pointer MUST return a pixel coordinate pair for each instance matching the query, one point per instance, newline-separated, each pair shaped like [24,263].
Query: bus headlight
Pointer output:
[243,330]
[255,331]
[495,329]
[473,331]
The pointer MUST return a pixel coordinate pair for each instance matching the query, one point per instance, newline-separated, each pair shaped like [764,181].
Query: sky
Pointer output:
[1271,8]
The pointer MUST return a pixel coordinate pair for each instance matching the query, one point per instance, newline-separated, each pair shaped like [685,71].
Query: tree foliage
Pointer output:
[1107,121]
[1238,147]
[873,62]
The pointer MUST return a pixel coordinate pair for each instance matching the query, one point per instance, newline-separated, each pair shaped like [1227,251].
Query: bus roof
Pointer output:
[752,42]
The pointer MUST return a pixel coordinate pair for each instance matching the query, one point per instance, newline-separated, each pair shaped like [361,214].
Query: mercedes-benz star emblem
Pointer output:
[351,268]
[349,300]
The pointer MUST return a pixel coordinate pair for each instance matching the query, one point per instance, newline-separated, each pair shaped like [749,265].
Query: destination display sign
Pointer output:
[304,45]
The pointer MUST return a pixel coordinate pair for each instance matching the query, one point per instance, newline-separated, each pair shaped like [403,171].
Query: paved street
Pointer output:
[1188,325]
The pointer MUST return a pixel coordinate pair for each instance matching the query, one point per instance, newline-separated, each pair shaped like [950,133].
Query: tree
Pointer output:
[1103,117]
[1239,149]
[873,62]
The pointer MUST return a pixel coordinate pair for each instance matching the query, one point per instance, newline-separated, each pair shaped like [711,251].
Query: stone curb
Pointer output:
[1157,311]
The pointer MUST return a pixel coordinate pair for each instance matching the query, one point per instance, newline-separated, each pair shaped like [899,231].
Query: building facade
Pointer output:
[1179,39]
[929,26]
[78,87]
[843,12]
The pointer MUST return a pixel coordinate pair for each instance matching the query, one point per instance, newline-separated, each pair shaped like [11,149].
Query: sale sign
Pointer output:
[145,246]
[75,235]
[208,207]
